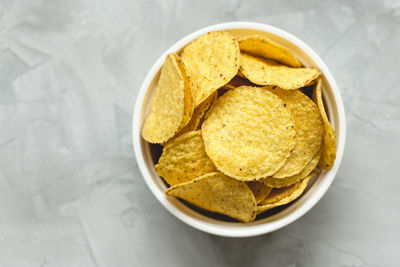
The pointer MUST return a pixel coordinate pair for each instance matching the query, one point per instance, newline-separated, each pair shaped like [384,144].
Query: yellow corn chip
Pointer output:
[263,72]
[167,109]
[328,155]
[212,60]
[261,46]
[184,159]
[291,194]
[288,181]
[277,194]
[249,133]
[260,190]
[217,192]
[309,130]
[188,95]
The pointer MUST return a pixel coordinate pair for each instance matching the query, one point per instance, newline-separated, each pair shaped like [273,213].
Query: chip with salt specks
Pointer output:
[167,110]
[262,46]
[288,181]
[212,60]
[265,72]
[293,193]
[329,141]
[219,193]
[249,133]
[184,159]
[188,95]
[260,190]
[198,114]
[309,130]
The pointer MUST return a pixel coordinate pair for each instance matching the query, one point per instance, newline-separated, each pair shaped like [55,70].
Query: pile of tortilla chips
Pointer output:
[239,136]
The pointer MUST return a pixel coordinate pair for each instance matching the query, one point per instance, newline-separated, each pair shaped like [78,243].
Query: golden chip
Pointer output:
[167,109]
[294,192]
[264,72]
[261,46]
[278,193]
[217,192]
[288,181]
[184,159]
[188,95]
[249,133]
[198,114]
[260,190]
[329,141]
[212,60]
[309,130]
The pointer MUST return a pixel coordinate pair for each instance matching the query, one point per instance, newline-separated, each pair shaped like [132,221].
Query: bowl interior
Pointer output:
[146,154]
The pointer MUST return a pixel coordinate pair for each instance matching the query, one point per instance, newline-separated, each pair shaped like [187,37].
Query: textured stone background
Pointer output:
[70,190]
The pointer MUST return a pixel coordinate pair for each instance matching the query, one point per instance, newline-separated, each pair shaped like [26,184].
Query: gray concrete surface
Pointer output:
[70,190]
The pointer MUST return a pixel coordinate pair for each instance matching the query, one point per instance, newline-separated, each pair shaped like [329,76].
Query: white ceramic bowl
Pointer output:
[333,102]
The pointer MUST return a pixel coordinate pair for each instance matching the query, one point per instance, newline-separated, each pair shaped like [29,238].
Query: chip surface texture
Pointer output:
[309,130]
[249,133]
[168,105]
[287,181]
[258,45]
[264,72]
[328,154]
[218,193]
[184,159]
[212,60]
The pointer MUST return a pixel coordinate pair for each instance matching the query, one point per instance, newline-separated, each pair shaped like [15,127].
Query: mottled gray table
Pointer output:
[70,190]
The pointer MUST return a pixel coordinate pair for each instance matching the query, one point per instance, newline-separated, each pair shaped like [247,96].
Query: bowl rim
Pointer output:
[252,229]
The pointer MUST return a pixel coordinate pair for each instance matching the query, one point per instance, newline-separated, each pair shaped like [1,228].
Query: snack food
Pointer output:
[260,190]
[172,104]
[236,141]
[184,159]
[288,181]
[328,153]
[309,130]
[258,45]
[266,72]
[249,133]
[198,114]
[284,196]
[212,60]
[218,193]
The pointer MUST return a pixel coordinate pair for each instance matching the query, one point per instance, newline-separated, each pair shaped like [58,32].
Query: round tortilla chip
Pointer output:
[288,181]
[261,46]
[260,190]
[167,108]
[184,159]
[212,60]
[309,130]
[217,192]
[263,72]
[290,194]
[328,155]
[248,133]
